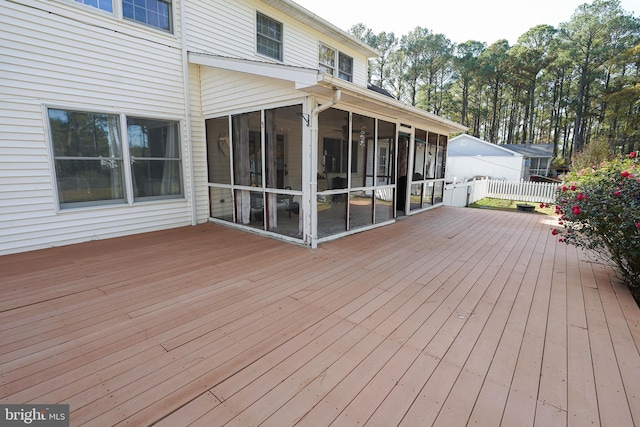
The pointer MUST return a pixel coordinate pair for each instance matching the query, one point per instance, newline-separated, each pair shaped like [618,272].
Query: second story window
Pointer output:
[335,63]
[327,59]
[345,67]
[269,37]
[106,5]
[156,13]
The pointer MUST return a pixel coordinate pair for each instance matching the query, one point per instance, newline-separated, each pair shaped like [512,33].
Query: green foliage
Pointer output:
[508,205]
[593,154]
[600,210]
[568,85]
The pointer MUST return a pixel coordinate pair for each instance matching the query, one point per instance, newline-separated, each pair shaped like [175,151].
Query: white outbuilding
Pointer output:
[469,157]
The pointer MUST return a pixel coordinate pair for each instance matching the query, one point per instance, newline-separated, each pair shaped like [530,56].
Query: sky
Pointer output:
[459,20]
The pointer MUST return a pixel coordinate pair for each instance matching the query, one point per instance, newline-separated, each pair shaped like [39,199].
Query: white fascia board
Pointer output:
[390,106]
[299,75]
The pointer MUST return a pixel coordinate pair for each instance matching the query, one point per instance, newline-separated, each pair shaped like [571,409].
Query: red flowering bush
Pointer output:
[599,209]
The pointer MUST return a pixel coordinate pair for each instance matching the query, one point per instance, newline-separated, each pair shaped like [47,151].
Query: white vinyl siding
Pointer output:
[228,29]
[44,65]
[227,92]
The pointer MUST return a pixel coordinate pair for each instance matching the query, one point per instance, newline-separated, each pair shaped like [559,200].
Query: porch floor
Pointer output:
[450,317]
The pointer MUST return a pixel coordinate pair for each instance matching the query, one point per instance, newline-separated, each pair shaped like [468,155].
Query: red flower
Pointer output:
[579,196]
[638,226]
[616,193]
[625,174]
[576,210]
[564,188]
[632,154]
[573,188]
[542,205]
[554,231]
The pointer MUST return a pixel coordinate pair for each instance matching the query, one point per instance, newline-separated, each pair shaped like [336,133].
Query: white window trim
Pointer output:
[336,67]
[119,16]
[338,71]
[335,56]
[255,32]
[126,157]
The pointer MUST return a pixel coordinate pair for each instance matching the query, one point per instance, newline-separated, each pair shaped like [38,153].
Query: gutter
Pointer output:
[337,94]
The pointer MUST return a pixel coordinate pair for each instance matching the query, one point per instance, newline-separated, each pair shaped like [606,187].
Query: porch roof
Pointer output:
[316,83]
[380,104]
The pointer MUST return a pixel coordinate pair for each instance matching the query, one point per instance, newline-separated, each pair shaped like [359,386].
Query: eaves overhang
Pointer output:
[376,102]
[299,75]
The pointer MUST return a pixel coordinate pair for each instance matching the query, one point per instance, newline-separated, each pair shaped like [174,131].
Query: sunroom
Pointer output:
[338,160]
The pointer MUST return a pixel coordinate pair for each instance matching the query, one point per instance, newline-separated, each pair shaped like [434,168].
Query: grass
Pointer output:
[510,205]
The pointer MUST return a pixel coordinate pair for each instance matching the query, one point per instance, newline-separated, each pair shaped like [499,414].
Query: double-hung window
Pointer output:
[345,67]
[90,156]
[269,37]
[327,59]
[335,63]
[155,13]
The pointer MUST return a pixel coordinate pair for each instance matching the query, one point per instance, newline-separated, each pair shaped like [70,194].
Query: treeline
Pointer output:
[568,86]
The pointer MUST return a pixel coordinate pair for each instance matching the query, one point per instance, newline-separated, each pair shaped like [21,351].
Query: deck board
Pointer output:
[449,317]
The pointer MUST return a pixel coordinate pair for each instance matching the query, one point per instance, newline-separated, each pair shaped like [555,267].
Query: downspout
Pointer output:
[337,94]
[187,104]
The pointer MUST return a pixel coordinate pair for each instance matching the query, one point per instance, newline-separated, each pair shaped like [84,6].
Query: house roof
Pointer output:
[531,150]
[366,98]
[317,23]
[489,146]
[323,85]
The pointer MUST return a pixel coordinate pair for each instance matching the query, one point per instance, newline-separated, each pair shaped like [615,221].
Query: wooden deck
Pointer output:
[451,317]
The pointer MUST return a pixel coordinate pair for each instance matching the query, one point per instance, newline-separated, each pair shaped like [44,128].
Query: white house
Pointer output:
[121,117]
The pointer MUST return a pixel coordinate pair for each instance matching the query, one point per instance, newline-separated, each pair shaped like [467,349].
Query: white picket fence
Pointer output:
[524,191]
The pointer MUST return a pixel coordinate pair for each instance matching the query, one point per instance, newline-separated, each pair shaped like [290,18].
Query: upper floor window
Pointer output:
[345,67]
[106,5]
[327,63]
[269,37]
[327,59]
[156,13]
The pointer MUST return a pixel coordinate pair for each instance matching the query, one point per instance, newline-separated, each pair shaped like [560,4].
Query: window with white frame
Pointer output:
[327,58]
[154,147]
[155,13]
[106,5]
[90,155]
[269,36]
[345,67]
